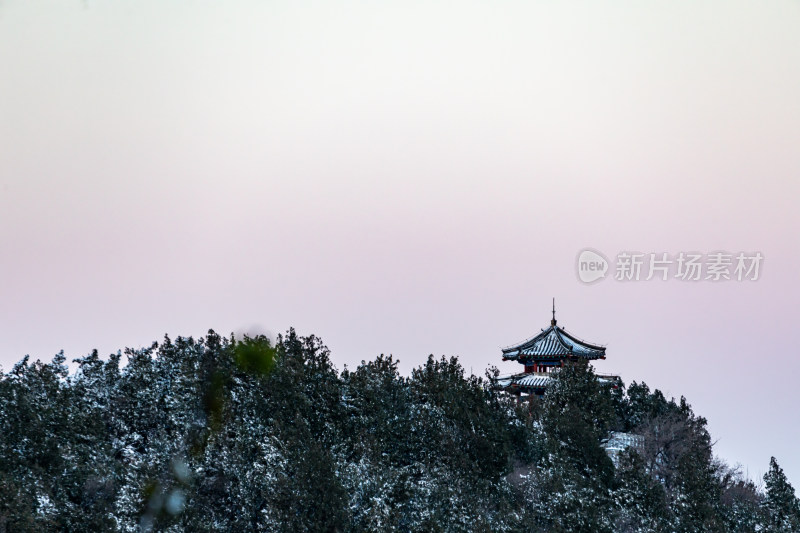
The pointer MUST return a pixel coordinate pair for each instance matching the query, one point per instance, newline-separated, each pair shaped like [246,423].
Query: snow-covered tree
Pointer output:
[226,434]
[781,508]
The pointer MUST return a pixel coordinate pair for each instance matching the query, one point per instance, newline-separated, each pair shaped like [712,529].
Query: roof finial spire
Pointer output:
[553,322]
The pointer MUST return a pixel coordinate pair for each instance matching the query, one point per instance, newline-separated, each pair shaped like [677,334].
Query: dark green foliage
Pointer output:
[578,414]
[642,499]
[577,475]
[224,434]
[781,508]
[459,422]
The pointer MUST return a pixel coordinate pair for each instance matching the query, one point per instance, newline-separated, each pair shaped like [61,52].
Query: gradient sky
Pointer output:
[410,178]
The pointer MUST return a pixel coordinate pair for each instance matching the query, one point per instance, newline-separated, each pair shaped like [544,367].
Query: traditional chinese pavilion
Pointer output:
[544,354]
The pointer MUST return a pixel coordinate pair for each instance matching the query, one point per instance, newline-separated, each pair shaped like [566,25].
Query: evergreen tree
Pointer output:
[578,476]
[781,508]
[226,434]
[642,500]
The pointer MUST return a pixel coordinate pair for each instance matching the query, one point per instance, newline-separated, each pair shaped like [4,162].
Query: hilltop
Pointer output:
[220,434]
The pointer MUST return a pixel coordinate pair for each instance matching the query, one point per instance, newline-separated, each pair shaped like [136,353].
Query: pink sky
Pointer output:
[410,178]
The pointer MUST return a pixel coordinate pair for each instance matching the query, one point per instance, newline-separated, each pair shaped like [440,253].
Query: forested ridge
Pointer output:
[224,434]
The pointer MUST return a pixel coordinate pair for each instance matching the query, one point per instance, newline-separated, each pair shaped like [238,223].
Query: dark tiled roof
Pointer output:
[554,342]
[527,381]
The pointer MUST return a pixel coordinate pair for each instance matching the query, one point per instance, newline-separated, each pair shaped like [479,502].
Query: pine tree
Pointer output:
[641,500]
[782,511]
[220,434]
[577,415]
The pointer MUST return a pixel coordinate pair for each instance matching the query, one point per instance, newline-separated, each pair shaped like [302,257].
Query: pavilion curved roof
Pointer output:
[554,342]
[525,381]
